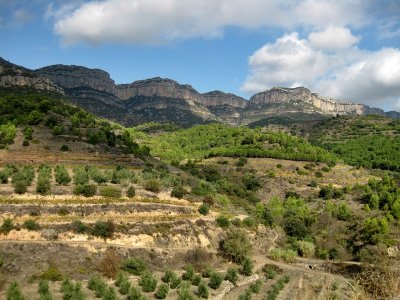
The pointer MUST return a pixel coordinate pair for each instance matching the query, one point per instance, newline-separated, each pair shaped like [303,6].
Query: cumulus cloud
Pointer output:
[363,76]
[333,38]
[160,21]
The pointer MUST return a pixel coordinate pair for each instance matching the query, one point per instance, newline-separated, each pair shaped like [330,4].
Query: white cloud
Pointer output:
[333,38]
[367,77]
[160,21]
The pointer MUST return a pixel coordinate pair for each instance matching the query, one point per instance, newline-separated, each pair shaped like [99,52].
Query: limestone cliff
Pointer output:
[15,76]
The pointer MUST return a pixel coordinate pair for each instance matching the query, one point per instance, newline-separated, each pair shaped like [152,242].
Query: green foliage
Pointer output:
[97,284]
[3,177]
[52,273]
[204,209]
[189,273]
[31,224]
[202,290]
[256,287]
[78,227]
[241,162]
[236,245]
[152,185]
[87,190]
[373,230]
[223,221]
[162,291]
[43,289]
[232,275]
[246,267]
[222,140]
[131,192]
[178,192]
[286,255]
[124,286]
[14,292]
[251,182]
[184,292]
[110,192]
[64,148]
[20,187]
[26,174]
[43,185]
[215,280]
[134,266]
[61,175]
[135,294]
[103,229]
[148,282]
[328,192]
[8,133]
[306,248]
[7,226]
[109,294]
[81,177]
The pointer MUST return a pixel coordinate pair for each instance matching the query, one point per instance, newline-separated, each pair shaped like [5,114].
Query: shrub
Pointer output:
[286,255]
[247,267]
[135,294]
[134,266]
[110,192]
[31,224]
[162,291]
[249,222]
[64,148]
[109,294]
[104,229]
[255,287]
[125,286]
[14,292]
[313,183]
[207,272]
[236,245]
[81,177]
[178,192]
[184,292]
[251,182]
[110,264]
[20,187]
[197,257]
[131,192]
[25,143]
[241,162]
[204,209]
[148,282]
[318,174]
[62,176]
[97,284]
[202,290]
[78,226]
[223,221]
[270,273]
[7,226]
[188,274]
[152,185]
[43,186]
[295,227]
[43,287]
[58,130]
[306,248]
[196,280]
[232,275]
[87,190]
[3,177]
[52,274]
[215,280]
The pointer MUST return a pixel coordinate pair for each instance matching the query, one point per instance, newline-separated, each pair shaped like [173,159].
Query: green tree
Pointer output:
[162,291]
[202,290]
[236,245]
[14,292]
[247,267]
[232,275]
[215,280]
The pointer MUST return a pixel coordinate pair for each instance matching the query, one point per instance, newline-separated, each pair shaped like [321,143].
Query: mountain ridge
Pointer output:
[165,99]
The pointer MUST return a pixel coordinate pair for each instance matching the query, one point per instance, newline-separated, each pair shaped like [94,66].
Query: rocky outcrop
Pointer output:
[218,98]
[14,76]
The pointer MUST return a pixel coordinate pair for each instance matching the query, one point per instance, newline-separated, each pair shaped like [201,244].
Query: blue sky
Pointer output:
[345,49]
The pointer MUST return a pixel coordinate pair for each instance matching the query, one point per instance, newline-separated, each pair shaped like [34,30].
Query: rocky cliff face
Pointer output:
[14,76]
[164,99]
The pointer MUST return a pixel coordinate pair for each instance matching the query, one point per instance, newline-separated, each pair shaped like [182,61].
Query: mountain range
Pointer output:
[165,100]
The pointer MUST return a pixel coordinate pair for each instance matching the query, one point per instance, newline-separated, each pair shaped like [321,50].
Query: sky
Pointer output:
[342,49]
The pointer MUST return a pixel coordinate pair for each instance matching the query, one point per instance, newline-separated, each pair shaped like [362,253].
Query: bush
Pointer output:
[110,263]
[109,294]
[131,192]
[204,209]
[78,226]
[81,177]
[103,229]
[162,291]
[318,174]
[223,221]
[134,266]
[286,255]
[52,274]
[215,280]
[148,282]
[3,177]
[236,245]
[184,292]
[251,182]
[178,192]
[241,162]
[43,186]
[202,290]
[135,294]
[188,274]
[97,284]
[152,185]
[20,187]
[7,226]
[87,190]
[306,248]
[247,267]
[125,286]
[14,292]
[25,143]
[196,280]
[62,176]
[255,287]
[43,287]
[232,275]
[110,192]
[31,224]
